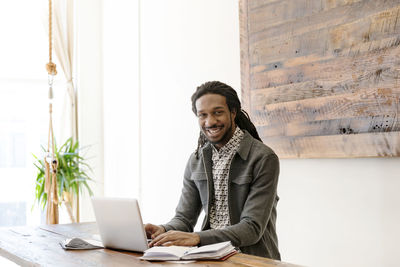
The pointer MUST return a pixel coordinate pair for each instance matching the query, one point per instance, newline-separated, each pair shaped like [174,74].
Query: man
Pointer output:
[232,175]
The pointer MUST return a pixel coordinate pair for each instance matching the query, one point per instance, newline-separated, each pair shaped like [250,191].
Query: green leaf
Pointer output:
[71,175]
[88,188]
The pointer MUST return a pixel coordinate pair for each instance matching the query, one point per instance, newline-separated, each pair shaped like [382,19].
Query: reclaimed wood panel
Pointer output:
[244,54]
[321,78]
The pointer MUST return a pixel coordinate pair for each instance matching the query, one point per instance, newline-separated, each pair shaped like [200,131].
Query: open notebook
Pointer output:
[218,251]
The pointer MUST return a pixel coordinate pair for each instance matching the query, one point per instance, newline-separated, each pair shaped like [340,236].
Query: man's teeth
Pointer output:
[214,130]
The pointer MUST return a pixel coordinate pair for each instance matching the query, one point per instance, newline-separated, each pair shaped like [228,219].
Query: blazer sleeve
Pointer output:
[189,206]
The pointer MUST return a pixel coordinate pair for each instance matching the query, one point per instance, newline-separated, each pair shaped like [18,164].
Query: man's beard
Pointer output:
[227,135]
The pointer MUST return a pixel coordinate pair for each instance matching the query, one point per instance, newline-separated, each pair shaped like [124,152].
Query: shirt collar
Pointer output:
[243,151]
[233,143]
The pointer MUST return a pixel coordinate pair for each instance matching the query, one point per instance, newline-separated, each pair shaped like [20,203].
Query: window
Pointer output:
[23,107]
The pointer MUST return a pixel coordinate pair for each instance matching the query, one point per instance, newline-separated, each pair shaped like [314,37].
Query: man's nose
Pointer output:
[210,121]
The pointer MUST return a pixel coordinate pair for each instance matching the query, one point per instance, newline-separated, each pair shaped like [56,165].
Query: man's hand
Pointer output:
[176,238]
[152,231]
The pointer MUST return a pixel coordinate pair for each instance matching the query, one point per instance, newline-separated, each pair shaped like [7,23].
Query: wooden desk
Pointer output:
[39,246]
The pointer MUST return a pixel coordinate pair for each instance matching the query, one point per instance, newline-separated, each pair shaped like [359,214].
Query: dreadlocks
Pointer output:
[242,119]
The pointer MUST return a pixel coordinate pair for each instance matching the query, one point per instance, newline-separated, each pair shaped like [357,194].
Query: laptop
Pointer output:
[120,223]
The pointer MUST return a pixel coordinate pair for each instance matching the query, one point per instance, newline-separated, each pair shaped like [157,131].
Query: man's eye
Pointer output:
[218,112]
[201,116]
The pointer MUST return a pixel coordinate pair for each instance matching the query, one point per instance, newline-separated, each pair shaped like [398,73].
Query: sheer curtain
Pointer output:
[63,45]
[63,30]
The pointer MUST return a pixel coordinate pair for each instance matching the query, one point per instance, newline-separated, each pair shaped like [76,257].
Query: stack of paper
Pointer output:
[218,251]
[78,243]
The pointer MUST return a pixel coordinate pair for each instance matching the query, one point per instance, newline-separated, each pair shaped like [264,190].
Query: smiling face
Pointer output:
[216,121]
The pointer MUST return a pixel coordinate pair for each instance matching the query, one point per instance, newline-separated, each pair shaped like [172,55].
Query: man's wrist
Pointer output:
[197,238]
[162,228]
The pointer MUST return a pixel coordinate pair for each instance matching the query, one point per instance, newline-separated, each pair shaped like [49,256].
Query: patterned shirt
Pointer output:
[221,160]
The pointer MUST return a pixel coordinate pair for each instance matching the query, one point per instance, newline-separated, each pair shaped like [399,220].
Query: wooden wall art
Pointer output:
[321,78]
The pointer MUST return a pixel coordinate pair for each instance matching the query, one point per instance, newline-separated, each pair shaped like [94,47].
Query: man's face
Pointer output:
[216,121]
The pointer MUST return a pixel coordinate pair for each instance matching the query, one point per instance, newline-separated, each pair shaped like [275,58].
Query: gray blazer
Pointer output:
[252,199]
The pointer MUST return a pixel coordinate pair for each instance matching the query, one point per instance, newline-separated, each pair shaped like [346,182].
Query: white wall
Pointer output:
[333,212]
[340,212]
[121,98]
[183,44]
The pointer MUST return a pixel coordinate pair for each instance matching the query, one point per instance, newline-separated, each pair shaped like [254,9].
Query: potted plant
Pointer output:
[72,177]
